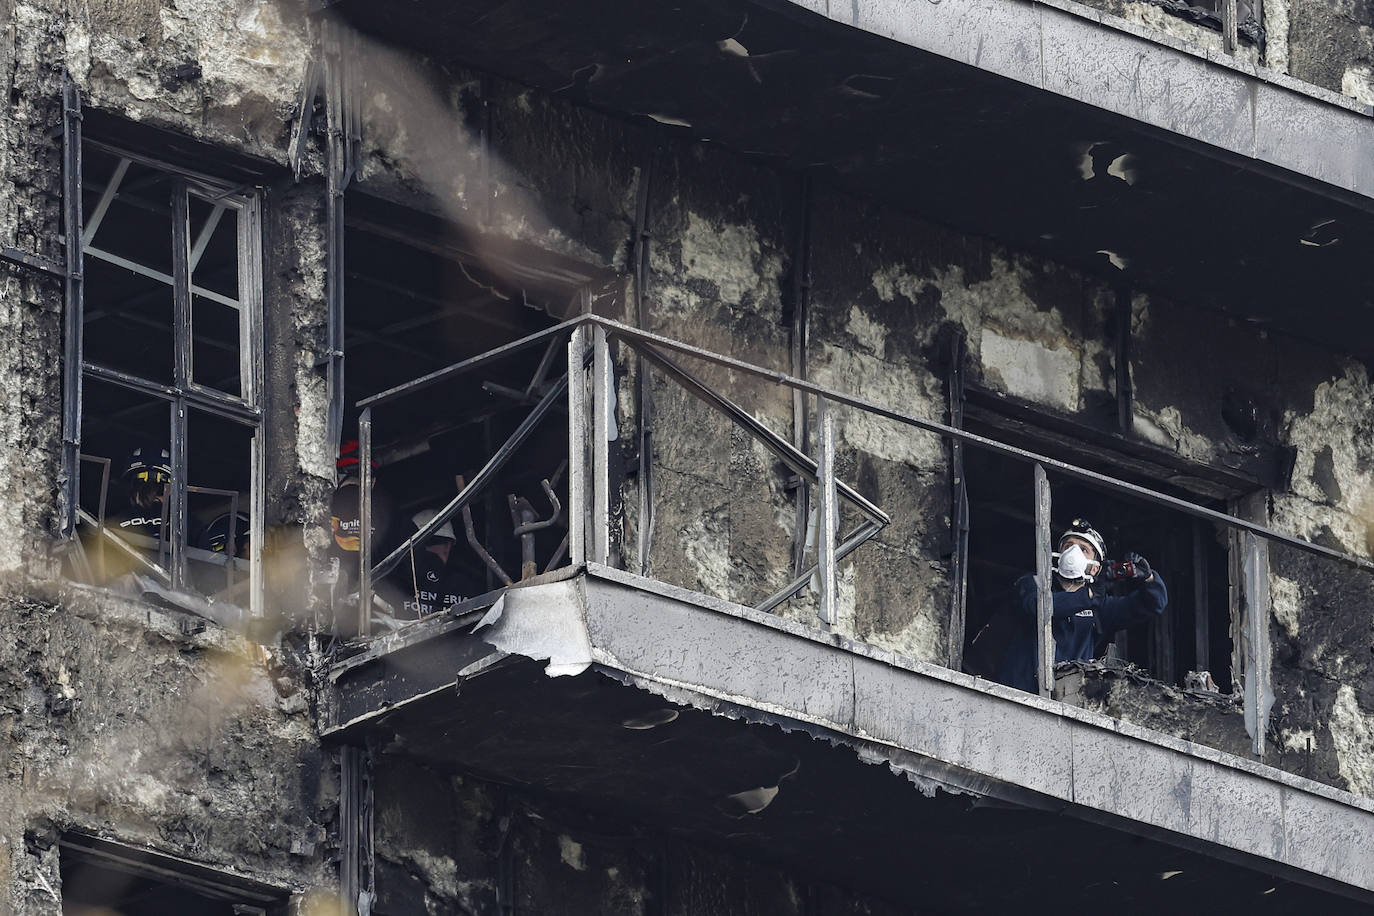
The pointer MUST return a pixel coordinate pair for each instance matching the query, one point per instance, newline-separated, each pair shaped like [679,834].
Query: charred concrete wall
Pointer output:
[30,302]
[123,721]
[465,845]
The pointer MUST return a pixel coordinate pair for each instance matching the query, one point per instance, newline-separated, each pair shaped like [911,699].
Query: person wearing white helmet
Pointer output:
[1091,599]
[425,578]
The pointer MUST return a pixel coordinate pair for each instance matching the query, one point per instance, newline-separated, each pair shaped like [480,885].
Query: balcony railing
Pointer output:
[590,397]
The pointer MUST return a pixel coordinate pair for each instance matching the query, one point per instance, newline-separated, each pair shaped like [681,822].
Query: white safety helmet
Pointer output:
[425,516]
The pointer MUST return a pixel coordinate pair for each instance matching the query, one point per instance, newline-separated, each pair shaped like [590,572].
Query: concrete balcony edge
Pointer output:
[1098,59]
[942,728]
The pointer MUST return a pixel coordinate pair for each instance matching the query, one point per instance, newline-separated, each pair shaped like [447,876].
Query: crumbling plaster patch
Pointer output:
[1286,600]
[1033,371]
[705,539]
[1298,740]
[905,389]
[570,851]
[1166,428]
[868,334]
[1352,734]
[1276,35]
[1358,83]
[245,59]
[1339,429]
[30,304]
[1002,312]
[728,256]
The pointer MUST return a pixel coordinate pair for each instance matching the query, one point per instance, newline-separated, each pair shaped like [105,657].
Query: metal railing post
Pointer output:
[1044,601]
[1258,692]
[1202,636]
[602,406]
[829,510]
[365,522]
[577,447]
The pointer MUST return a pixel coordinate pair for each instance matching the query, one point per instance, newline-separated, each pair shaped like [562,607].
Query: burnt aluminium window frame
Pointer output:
[184,393]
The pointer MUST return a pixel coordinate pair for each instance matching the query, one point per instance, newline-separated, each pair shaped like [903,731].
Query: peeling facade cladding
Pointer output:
[151,727]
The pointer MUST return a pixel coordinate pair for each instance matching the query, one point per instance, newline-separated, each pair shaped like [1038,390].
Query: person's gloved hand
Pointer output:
[1139,565]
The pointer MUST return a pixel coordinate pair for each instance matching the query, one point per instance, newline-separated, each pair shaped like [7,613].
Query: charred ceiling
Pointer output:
[1133,204]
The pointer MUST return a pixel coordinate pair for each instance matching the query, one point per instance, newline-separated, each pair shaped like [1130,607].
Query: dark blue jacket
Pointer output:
[1080,618]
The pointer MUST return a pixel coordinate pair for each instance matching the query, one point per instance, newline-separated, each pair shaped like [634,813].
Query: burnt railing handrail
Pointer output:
[631,335]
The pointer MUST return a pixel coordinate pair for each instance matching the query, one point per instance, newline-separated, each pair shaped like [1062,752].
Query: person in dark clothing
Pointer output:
[1088,606]
[345,516]
[145,479]
[424,577]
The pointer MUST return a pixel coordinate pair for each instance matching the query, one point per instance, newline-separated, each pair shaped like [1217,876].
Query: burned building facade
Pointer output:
[749,351]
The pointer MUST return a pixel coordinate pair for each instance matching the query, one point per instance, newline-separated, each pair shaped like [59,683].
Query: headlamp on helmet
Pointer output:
[148,464]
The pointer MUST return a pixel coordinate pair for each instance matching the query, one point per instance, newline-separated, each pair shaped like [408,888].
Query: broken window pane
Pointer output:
[129,214]
[128,322]
[129,267]
[214,246]
[216,319]
[218,484]
[124,478]
[215,352]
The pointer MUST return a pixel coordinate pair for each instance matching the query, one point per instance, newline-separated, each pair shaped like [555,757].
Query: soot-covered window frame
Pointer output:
[184,393]
[1204,570]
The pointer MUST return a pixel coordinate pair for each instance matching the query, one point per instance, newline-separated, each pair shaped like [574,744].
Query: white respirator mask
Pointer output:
[1073,564]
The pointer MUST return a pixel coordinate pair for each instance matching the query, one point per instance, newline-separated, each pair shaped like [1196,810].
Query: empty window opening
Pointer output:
[1211,14]
[170,401]
[1193,634]
[421,296]
[99,877]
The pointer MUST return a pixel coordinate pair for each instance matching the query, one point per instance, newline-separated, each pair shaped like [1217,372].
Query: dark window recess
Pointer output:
[423,294]
[1190,556]
[100,877]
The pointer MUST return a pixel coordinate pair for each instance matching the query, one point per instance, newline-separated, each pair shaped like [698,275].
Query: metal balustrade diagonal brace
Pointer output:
[799,463]
[795,460]
[479,480]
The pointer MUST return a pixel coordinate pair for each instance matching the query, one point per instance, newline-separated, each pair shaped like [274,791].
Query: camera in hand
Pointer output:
[1119,569]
